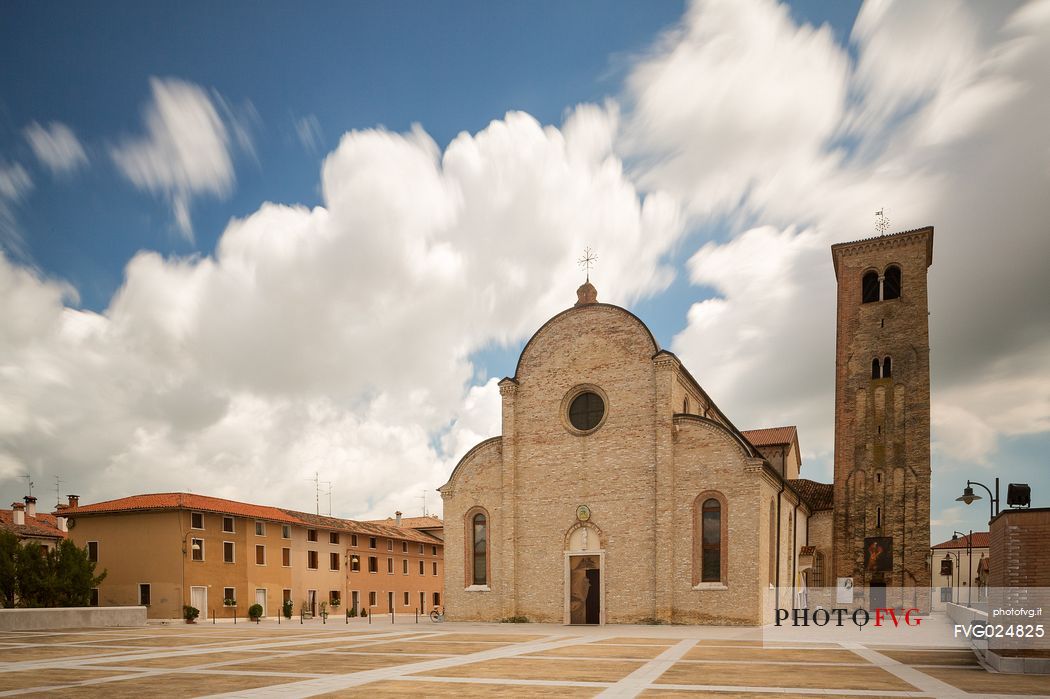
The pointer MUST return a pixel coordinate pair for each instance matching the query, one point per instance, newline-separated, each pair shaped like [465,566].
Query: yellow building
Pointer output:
[166,550]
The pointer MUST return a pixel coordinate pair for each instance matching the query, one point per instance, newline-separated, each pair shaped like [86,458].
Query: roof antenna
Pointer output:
[29,482]
[882,224]
[58,491]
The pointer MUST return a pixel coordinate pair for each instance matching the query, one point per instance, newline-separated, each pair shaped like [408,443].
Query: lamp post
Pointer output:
[968,496]
[955,575]
[969,563]
[186,548]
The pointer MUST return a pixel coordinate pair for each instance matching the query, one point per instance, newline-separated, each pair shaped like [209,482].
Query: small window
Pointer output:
[891,283]
[333,561]
[92,551]
[227,524]
[373,564]
[197,520]
[144,594]
[227,551]
[260,528]
[434,550]
[353,539]
[371,542]
[437,599]
[404,566]
[711,541]
[389,544]
[260,555]
[435,565]
[887,368]
[335,598]
[422,601]
[286,531]
[311,560]
[311,535]
[390,565]
[355,564]
[93,601]
[479,550]
[286,595]
[586,411]
[229,596]
[876,371]
[870,287]
[685,406]
[286,557]
[421,549]
[372,599]
[421,564]
[333,537]
[197,549]
[404,547]
[818,570]
[406,600]
[878,518]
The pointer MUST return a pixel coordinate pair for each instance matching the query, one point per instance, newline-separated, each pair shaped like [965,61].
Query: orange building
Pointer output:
[166,550]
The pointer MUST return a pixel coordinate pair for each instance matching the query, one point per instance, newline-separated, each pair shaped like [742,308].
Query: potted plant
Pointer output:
[229,602]
[351,612]
[364,612]
[287,609]
[190,614]
[334,603]
[255,612]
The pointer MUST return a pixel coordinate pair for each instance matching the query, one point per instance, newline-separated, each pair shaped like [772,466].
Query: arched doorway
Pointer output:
[584,576]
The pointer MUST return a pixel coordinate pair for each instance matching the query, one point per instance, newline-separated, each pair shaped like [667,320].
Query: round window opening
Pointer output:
[586,411]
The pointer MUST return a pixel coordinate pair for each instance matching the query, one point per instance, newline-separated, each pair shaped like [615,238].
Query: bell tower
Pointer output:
[881,533]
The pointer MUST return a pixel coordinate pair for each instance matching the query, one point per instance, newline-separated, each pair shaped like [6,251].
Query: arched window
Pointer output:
[875,369]
[711,541]
[479,550]
[891,285]
[870,287]
[817,574]
[685,406]
[887,366]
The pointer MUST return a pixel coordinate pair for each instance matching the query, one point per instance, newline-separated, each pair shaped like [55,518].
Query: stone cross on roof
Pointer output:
[587,261]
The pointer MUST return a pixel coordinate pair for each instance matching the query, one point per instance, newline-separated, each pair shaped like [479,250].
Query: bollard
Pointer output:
[391,616]
[213,617]
[417,615]
[300,616]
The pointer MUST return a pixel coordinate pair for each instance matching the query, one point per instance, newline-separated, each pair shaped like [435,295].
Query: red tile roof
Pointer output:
[980,541]
[41,526]
[771,436]
[425,522]
[153,502]
[817,496]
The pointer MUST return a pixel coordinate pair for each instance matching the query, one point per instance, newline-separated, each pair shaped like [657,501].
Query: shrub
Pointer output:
[514,620]
[287,609]
[364,612]
[190,613]
[351,612]
[255,612]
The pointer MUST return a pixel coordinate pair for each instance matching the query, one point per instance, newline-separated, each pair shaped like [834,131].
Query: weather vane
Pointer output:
[587,261]
[882,224]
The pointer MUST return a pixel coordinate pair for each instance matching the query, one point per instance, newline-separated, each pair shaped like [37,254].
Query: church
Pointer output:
[619,492]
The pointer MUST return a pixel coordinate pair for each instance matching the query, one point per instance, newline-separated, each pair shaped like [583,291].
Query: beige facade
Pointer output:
[638,484]
[200,551]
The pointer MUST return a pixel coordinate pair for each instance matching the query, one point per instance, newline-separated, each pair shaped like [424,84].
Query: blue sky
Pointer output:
[698,147]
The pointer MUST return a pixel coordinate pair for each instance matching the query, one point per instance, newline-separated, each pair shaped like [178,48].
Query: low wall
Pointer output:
[70,618]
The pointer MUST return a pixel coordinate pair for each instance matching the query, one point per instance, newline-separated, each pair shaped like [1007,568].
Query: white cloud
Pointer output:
[960,142]
[56,146]
[184,152]
[308,130]
[15,184]
[336,339]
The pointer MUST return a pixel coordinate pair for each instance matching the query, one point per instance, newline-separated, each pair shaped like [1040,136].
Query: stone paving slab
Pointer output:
[707,694]
[397,689]
[769,675]
[26,679]
[324,663]
[595,650]
[638,641]
[542,668]
[182,661]
[980,682]
[774,654]
[18,655]
[166,685]
[933,657]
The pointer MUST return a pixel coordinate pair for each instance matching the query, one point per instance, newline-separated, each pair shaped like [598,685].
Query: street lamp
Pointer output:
[955,575]
[968,496]
[969,563]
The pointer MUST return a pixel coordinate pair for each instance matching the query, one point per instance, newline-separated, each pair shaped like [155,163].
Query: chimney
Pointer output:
[60,522]
[74,500]
[19,510]
[30,506]
[397,517]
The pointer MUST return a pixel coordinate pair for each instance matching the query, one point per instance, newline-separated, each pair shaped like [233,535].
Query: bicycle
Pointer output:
[437,616]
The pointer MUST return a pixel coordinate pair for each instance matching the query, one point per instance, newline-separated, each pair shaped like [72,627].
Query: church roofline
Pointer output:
[880,240]
[727,427]
[470,453]
[517,367]
[696,384]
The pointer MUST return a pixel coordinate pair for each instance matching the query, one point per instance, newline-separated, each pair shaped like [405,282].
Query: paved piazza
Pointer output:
[492,660]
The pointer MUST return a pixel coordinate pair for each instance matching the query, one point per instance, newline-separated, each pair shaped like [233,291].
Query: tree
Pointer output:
[8,577]
[73,575]
[32,577]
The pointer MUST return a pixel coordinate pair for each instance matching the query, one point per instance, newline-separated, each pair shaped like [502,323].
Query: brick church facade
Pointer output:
[618,491]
